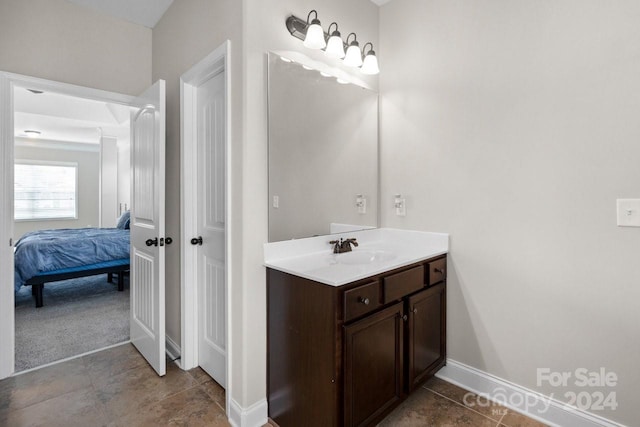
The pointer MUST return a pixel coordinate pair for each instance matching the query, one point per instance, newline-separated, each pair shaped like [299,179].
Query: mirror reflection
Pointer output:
[323,153]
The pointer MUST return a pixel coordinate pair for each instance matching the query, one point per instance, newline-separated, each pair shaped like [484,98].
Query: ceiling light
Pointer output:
[335,45]
[353,58]
[285,59]
[37,92]
[370,63]
[315,34]
[32,133]
[342,81]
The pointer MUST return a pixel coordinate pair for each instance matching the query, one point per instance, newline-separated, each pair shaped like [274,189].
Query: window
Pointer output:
[45,190]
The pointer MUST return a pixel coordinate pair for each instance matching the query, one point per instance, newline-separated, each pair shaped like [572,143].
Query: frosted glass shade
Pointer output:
[370,64]
[315,36]
[353,58]
[335,47]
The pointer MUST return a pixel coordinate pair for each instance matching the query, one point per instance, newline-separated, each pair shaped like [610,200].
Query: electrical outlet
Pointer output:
[361,203]
[628,212]
[400,204]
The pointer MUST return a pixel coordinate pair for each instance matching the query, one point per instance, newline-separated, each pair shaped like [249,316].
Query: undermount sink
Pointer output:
[364,257]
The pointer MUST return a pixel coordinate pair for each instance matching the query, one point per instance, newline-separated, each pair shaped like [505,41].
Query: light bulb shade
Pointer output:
[315,36]
[335,47]
[353,58]
[370,64]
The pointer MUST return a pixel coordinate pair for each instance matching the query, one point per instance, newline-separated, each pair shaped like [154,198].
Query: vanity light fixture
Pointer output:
[335,45]
[314,37]
[315,34]
[353,58]
[370,63]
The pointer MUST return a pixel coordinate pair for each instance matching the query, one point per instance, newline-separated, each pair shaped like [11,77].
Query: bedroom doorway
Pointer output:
[205,122]
[147,137]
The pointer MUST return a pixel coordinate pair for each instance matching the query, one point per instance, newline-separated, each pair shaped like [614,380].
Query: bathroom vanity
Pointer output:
[351,335]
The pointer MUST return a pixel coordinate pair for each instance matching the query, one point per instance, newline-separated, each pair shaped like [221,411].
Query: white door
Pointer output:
[147,225]
[212,350]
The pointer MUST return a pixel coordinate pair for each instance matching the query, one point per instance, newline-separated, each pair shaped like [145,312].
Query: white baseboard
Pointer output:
[532,404]
[172,349]
[255,415]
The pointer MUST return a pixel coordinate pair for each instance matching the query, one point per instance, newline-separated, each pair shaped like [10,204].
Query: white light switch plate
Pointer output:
[628,212]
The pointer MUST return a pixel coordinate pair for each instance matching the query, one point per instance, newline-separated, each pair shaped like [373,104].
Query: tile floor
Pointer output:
[116,387]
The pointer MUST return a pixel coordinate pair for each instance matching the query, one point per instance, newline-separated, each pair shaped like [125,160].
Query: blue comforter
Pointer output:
[49,250]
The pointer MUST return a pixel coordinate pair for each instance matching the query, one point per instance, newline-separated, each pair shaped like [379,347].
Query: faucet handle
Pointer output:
[336,245]
[353,241]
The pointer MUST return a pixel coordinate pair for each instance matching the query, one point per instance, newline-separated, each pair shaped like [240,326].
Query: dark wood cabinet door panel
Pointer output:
[426,334]
[404,283]
[302,340]
[373,365]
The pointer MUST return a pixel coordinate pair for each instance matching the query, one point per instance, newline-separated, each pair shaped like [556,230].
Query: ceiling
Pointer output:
[66,118]
[142,12]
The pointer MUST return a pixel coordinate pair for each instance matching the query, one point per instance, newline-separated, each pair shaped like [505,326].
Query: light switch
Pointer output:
[628,212]
[276,202]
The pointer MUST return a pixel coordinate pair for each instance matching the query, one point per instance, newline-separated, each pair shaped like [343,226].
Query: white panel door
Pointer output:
[212,350]
[147,226]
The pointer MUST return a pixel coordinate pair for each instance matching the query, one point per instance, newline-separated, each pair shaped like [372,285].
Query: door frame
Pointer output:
[213,64]
[9,81]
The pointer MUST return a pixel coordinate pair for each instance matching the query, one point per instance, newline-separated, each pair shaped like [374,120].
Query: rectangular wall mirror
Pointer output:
[323,153]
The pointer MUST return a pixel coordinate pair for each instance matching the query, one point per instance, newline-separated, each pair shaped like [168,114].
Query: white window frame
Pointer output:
[52,163]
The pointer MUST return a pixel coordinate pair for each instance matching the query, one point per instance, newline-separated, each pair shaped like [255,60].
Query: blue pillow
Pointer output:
[124,220]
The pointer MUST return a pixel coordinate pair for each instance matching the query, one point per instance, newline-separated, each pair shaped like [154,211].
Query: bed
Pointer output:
[45,256]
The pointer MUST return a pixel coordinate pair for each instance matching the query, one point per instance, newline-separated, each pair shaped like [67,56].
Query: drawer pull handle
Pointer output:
[439,270]
[364,301]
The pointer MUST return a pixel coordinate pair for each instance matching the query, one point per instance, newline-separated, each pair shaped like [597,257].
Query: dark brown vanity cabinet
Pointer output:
[347,355]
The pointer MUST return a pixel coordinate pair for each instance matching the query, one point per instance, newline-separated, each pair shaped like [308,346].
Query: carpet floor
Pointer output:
[79,315]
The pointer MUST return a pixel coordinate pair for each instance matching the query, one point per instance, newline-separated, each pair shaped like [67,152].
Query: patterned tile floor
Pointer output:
[116,387]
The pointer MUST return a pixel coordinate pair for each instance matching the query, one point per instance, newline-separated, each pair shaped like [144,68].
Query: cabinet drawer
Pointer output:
[437,271]
[361,300]
[398,285]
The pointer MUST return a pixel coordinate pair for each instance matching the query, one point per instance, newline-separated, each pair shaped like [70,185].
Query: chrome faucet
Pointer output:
[343,245]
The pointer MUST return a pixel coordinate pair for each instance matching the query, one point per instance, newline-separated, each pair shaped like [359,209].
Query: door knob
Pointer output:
[197,241]
[152,242]
[168,240]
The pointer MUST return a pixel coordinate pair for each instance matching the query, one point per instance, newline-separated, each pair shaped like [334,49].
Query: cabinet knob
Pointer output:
[405,317]
[415,311]
[365,301]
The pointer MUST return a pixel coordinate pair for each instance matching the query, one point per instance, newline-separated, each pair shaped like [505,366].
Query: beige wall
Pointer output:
[265,30]
[57,40]
[513,125]
[88,188]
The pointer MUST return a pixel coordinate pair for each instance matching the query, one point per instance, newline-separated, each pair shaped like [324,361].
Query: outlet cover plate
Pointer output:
[628,212]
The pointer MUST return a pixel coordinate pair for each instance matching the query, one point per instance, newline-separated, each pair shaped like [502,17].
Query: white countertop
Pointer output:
[379,250]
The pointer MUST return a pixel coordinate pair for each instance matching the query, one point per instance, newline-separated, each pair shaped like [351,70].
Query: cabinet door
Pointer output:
[373,373]
[426,334]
